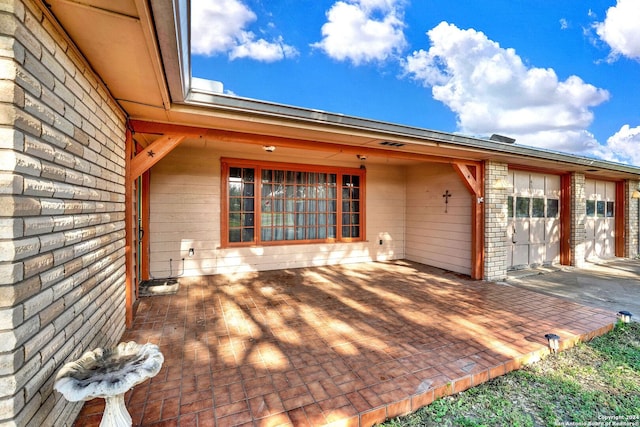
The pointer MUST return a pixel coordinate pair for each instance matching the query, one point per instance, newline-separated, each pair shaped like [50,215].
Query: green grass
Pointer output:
[586,385]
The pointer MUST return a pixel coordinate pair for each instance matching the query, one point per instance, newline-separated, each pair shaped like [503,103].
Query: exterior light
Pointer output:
[269,148]
[554,342]
[361,157]
[624,316]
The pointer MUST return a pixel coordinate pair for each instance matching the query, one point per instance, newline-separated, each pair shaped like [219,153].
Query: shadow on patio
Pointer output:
[351,345]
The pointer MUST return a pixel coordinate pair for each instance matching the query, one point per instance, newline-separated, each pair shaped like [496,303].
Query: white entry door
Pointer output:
[600,221]
[533,231]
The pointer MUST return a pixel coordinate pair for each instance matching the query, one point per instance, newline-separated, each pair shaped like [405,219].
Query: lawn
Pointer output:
[592,384]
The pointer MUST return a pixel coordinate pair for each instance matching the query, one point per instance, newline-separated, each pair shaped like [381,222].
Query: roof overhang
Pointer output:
[141,50]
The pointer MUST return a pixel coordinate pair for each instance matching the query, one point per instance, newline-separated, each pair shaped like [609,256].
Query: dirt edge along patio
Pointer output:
[346,345]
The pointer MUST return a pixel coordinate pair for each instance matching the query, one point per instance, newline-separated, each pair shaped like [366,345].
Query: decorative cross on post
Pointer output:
[446,196]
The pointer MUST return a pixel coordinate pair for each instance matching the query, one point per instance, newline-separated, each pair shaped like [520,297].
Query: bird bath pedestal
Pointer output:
[109,374]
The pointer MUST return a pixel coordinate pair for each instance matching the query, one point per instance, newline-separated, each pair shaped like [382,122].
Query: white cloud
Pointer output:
[621,29]
[219,27]
[564,24]
[492,91]
[363,31]
[623,146]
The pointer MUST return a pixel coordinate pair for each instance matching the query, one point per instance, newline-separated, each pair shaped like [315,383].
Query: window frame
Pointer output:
[258,165]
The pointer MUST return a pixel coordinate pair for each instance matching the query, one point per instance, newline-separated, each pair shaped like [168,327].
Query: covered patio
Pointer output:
[350,345]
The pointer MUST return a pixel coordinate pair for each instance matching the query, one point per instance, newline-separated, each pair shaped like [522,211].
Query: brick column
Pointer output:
[632,222]
[578,216]
[495,209]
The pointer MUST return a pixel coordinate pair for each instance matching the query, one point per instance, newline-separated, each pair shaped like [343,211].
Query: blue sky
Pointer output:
[560,75]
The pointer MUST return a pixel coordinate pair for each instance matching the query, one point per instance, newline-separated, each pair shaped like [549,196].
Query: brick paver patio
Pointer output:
[350,345]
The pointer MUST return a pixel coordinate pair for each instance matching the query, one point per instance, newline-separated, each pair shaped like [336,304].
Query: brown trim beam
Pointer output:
[472,175]
[620,219]
[128,225]
[248,138]
[153,153]
[565,220]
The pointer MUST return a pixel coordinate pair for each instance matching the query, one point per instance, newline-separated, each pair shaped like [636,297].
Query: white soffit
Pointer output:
[119,44]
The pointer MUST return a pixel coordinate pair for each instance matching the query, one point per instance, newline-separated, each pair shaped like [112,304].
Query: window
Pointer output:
[522,207]
[610,211]
[552,208]
[600,208]
[537,207]
[591,208]
[270,203]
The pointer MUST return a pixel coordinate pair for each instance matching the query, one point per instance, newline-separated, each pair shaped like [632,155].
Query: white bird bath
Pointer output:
[109,374]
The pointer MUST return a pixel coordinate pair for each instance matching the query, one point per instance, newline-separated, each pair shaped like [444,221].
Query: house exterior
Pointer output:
[117,167]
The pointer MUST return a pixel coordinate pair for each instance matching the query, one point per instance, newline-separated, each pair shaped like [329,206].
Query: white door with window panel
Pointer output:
[533,232]
[600,219]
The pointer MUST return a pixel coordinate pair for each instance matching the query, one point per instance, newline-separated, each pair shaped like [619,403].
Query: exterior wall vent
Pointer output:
[392,144]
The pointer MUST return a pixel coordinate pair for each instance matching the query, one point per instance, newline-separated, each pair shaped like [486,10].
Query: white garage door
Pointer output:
[533,231]
[600,221]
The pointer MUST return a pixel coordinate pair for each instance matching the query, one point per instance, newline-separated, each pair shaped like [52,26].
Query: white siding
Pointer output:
[436,237]
[185,213]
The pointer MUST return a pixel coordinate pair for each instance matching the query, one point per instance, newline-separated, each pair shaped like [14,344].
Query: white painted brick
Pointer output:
[11,317]
[33,345]
[13,161]
[64,319]
[11,183]
[11,228]
[65,95]
[62,223]
[11,139]
[73,207]
[65,191]
[28,81]
[33,66]
[63,158]
[14,250]
[53,172]
[54,137]
[39,302]
[50,242]
[74,177]
[11,93]
[11,406]
[38,225]
[51,313]
[65,256]
[63,124]
[52,276]
[11,339]
[37,264]
[38,109]
[10,273]
[10,362]
[34,186]
[38,149]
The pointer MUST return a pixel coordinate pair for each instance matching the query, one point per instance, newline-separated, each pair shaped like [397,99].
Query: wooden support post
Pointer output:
[472,175]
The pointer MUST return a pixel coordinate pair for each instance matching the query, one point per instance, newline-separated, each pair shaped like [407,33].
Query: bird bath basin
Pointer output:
[109,374]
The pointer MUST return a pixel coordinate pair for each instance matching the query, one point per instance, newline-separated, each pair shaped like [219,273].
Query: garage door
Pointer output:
[533,231]
[600,220]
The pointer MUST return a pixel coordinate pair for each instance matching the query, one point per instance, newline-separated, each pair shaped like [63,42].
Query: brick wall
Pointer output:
[62,232]
[578,214]
[495,210]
